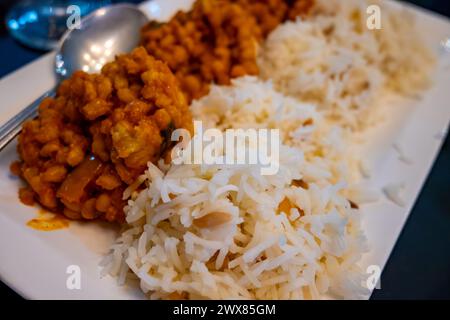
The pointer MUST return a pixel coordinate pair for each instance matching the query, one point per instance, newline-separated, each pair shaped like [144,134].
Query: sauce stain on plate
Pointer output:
[47,221]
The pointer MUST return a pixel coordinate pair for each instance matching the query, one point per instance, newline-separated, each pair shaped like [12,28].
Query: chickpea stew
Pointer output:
[217,39]
[97,135]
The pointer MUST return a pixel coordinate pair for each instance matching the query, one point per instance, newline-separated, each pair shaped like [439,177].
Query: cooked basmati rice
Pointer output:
[335,61]
[262,252]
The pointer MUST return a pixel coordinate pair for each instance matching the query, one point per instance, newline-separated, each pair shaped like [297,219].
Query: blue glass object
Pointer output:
[41,23]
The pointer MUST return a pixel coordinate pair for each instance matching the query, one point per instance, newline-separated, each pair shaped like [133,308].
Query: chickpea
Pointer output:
[96,108]
[26,195]
[75,156]
[162,119]
[104,87]
[47,196]
[61,155]
[112,214]
[192,83]
[88,210]
[49,131]
[99,148]
[238,71]
[126,95]
[103,202]
[168,41]
[136,110]
[16,168]
[180,54]
[108,181]
[74,215]
[50,148]
[120,82]
[90,93]
[45,104]
[67,136]
[55,174]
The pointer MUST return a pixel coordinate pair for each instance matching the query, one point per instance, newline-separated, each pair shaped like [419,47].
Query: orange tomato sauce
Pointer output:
[45,223]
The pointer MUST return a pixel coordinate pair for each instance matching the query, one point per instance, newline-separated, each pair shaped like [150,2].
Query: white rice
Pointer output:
[269,254]
[335,61]
[393,192]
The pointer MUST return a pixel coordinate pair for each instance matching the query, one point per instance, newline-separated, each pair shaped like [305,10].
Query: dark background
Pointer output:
[419,266]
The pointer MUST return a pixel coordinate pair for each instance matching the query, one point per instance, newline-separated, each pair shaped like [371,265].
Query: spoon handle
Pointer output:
[12,128]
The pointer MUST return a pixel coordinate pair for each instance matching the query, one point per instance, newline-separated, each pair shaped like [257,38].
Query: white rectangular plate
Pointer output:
[34,263]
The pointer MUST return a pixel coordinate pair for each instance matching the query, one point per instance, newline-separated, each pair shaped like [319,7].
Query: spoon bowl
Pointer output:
[101,36]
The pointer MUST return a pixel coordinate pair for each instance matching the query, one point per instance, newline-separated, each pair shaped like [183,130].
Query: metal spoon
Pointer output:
[103,34]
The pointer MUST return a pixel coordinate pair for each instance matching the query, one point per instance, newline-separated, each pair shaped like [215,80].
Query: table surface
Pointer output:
[419,266]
